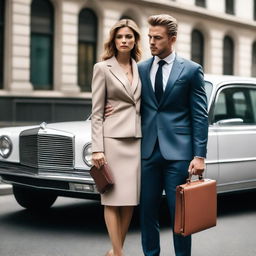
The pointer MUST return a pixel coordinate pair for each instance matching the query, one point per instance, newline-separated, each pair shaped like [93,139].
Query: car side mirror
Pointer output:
[230,121]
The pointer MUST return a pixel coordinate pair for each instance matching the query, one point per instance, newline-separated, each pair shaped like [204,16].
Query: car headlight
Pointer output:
[87,154]
[5,146]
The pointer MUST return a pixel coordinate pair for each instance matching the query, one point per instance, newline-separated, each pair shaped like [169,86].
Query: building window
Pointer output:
[2,8]
[254,59]
[230,6]
[41,57]
[254,9]
[200,3]
[197,47]
[87,45]
[126,17]
[228,56]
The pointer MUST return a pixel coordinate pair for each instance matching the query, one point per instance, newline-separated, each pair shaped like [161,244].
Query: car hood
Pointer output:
[81,130]
[77,128]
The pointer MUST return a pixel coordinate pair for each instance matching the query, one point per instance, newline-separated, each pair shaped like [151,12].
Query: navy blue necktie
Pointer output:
[159,81]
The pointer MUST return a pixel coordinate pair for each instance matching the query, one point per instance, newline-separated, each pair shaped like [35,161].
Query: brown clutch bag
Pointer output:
[196,206]
[102,178]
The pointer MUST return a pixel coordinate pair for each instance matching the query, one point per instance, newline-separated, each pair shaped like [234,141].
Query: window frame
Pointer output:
[253,68]
[94,43]
[2,50]
[230,7]
[254,10]
[49,34]
[247,86]
[202,44]
[231,48]
[200,3]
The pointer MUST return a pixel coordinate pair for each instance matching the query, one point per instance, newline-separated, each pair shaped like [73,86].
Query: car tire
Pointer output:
[34,199]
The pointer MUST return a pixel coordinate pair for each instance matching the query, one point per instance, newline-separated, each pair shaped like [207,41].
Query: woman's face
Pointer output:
[124,40]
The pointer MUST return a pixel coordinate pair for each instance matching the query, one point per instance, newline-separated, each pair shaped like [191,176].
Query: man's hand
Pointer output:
[197,166]
[108,110]
[98,159]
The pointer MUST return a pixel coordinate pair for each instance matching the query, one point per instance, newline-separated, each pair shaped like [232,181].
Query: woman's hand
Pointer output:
[98,159]
[108,111]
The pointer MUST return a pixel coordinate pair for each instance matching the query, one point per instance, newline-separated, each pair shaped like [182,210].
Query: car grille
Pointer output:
[46,151]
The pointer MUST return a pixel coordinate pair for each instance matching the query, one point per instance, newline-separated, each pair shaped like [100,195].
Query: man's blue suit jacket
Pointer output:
[180,120]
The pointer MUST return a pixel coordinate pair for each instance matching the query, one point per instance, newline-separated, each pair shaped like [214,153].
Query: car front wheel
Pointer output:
[33,199]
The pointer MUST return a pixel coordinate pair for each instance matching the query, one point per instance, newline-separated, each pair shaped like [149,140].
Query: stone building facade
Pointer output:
[48,48]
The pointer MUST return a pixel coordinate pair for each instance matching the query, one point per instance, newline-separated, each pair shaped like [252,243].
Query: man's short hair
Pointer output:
[165,20]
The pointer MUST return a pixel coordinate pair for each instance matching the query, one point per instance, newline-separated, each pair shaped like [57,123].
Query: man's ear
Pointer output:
[173,39]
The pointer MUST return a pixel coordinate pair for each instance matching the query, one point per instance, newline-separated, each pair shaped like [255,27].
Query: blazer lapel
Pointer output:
[135,79]
[117,71]
[174,75]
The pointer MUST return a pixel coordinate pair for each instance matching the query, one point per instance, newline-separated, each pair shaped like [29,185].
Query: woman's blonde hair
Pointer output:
[110,46]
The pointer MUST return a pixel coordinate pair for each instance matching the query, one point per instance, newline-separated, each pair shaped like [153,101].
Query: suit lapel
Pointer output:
[119,74]
[146,77]
[177,68]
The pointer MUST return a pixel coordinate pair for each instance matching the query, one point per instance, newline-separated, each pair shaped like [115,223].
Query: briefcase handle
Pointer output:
[200,177]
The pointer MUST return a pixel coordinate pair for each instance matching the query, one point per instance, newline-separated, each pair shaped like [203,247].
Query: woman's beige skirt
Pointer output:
[123,157]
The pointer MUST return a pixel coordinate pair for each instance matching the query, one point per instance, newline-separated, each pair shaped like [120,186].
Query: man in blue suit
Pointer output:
[174,128]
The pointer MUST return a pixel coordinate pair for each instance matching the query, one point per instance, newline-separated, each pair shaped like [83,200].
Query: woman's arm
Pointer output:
[98,104]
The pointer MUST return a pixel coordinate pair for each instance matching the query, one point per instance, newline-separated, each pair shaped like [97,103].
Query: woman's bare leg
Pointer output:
[113,223]
[125,220]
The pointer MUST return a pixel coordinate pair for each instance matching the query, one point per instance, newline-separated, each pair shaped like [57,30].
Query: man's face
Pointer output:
[161,44]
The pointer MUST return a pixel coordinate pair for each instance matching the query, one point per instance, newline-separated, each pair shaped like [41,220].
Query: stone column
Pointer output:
[244,56]
[67,51]
[215,63]
[17,62]
[183,45]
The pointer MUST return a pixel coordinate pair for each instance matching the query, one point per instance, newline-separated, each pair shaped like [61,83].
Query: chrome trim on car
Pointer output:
[11,146]
[43,125]
[230,121]
[61,177]
[236,186]
[47,149]
[89,144]
[248,159]
[53,189]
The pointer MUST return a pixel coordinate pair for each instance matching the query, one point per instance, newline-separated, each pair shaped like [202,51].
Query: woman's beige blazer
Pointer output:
[110,84]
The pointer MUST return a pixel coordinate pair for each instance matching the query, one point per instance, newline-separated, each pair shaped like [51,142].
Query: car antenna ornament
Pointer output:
[43,125]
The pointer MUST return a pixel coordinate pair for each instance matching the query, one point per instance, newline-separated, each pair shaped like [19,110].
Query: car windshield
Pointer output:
[208,89]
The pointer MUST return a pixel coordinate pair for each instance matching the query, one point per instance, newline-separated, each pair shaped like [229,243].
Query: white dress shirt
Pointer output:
[166,69]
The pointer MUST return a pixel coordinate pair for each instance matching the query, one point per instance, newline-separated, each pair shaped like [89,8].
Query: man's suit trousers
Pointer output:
[159,174]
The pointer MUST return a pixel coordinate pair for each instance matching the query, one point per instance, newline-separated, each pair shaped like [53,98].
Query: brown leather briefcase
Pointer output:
[102,178]
[196,206]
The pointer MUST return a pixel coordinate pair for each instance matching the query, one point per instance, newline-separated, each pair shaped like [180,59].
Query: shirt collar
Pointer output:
[169,59]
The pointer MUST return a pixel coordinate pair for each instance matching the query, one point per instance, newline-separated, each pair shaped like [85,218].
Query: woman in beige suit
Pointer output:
[116,138]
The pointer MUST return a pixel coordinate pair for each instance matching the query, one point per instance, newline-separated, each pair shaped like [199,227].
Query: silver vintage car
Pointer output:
[50,160]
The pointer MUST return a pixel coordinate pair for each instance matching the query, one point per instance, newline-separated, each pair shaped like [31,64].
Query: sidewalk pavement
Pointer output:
[5,189]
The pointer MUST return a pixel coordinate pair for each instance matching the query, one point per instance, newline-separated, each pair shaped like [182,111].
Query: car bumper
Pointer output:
[73,181]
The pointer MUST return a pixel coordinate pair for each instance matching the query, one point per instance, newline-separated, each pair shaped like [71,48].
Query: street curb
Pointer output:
[5,189]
